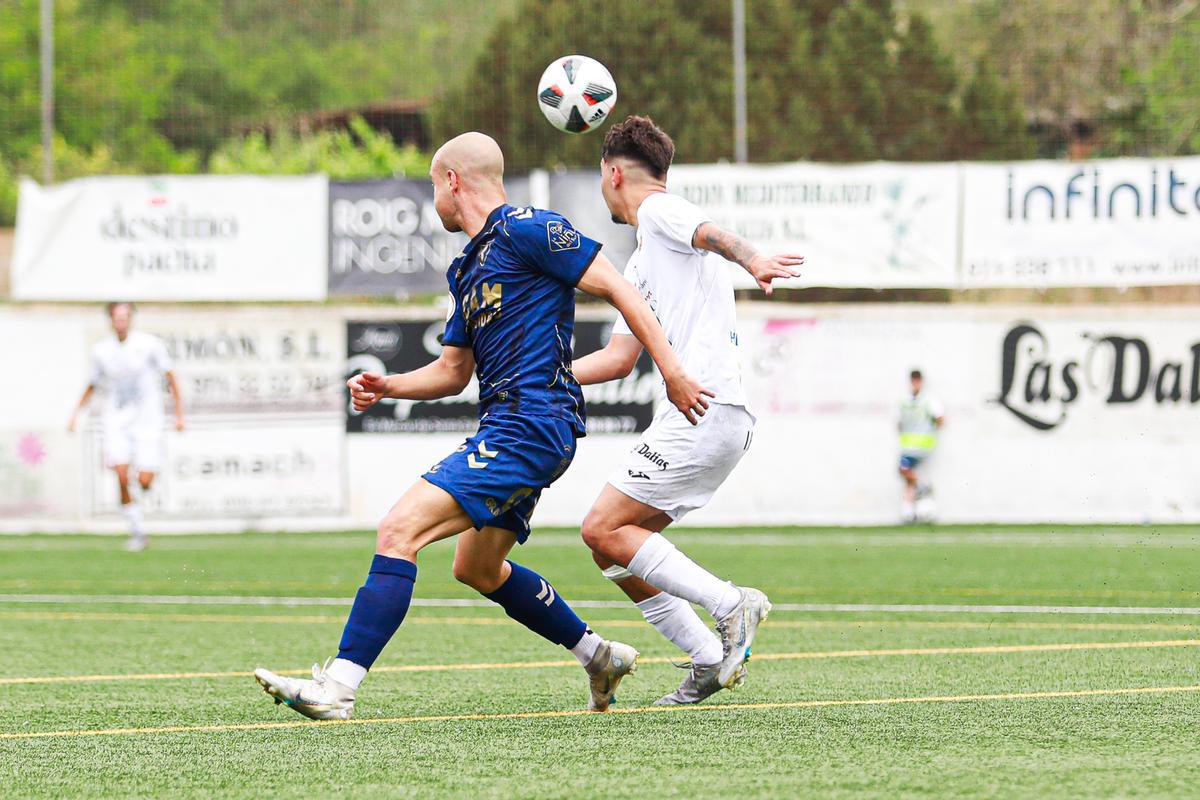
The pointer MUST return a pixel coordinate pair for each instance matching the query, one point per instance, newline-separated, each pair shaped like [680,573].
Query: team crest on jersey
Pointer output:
[562,237]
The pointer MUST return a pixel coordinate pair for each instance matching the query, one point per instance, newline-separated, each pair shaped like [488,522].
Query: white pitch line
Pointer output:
[430,602]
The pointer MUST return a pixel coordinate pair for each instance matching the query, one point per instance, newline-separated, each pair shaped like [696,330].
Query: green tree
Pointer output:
[1172,87]
[664,64]
[993,126]
[358,153]
[838,80]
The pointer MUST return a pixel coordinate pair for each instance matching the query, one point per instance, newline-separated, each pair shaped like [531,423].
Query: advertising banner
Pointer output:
[246,469]
[1064,414]
[1116,222]
[623,406]
[879,225]
[182,237]
[385,237]
[576,195]
[265,362]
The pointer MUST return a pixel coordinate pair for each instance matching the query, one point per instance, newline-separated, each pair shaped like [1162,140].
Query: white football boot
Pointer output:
[612,662]
[319,698]
[700,684]
[736,632]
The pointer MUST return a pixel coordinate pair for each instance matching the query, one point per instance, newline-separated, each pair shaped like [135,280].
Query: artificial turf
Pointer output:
[840,702]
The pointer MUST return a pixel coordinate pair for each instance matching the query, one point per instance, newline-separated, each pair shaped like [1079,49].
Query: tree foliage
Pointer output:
[837,80]
[1172,92]
[358,153]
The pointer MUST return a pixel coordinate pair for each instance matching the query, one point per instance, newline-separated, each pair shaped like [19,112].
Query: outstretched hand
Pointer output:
[688,396]
[367,389]
[767,268]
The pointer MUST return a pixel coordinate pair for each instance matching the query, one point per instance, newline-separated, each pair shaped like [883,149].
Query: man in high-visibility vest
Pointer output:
[920,418]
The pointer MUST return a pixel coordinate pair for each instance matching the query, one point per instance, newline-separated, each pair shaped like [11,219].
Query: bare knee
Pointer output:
[397,537]
[601,561]
[483,578]
[596,532]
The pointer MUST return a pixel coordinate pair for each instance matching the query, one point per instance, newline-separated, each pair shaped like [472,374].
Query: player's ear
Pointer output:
[452,180]
[617,177]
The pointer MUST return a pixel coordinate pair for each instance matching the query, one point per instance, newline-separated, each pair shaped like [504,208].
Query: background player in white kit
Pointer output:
[677,467]
[128,367]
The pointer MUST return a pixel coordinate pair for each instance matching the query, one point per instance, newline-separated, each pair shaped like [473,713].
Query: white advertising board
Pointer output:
[183,237]
[253,360]
[1115,222]
[244,469]
[879,225]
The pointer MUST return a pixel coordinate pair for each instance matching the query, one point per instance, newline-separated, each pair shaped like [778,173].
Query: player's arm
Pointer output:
[176,398]
[614,360]
[601,279]
[445,377]
[731,247]
[83,401]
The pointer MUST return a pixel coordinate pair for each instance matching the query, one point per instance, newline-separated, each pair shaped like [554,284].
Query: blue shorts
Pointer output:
[497,475]
[911,462]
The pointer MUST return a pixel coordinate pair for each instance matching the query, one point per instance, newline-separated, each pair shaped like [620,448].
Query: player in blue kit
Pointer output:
[512,312]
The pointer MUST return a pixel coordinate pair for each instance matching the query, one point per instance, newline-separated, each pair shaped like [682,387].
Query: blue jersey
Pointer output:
[513,302]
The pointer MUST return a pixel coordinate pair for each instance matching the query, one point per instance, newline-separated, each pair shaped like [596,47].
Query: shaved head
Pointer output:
[474,157]
[468,181]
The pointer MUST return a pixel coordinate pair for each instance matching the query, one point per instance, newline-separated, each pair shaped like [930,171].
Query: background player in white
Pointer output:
[677,467]
[920,418]
[128,367]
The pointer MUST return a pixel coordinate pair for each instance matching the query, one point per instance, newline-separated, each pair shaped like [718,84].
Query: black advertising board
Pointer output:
[622,406]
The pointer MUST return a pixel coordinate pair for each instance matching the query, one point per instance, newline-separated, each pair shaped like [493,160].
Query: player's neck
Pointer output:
[637,197]
[475,210]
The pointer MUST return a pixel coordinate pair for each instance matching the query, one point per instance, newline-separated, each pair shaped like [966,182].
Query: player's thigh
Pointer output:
[122,472]
[479,557]
[148,450]
[118,448]
[614,508]
[423,515]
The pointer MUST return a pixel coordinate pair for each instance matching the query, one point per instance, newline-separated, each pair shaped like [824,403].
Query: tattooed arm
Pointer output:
[732,247]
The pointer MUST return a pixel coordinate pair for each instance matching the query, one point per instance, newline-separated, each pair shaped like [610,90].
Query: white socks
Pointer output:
[659,564]
[133,515]
[587,647]
[347,673]
[675,619]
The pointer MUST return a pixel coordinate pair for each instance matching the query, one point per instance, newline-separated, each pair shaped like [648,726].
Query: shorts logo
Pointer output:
[639,474]
[475,463]
[653,457]
[561,237]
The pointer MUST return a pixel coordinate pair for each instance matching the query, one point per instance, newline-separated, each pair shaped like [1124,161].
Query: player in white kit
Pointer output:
[679,268]
[128,367]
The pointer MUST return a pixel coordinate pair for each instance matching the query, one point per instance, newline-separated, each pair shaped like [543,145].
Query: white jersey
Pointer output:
[130,373]
[690,292]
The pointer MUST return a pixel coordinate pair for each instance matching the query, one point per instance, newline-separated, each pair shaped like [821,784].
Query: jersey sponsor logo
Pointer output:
[561,237]
[653,457]
[484,299]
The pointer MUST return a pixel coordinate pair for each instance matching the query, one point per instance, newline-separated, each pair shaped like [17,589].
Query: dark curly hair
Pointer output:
[639,139]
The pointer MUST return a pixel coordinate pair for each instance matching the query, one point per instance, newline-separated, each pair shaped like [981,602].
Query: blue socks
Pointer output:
[379,608]
[530,599]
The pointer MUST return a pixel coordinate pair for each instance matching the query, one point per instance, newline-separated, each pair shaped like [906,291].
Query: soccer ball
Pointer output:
[576,93]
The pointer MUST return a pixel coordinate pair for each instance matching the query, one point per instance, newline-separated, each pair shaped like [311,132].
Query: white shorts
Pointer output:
[140,445]
[678,466]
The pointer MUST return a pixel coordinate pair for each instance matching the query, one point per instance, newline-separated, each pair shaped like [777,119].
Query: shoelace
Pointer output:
[318,672]
[723,633]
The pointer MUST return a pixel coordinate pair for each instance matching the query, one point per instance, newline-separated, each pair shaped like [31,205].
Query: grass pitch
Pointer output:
[953,662]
